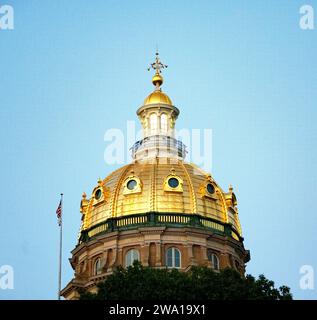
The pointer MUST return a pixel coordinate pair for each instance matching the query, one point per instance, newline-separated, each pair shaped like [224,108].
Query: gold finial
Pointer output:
[230,188]
[84,195]
[99,182]
[157,79]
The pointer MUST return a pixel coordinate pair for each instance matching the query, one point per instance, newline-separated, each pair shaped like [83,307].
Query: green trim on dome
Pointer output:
[155,219]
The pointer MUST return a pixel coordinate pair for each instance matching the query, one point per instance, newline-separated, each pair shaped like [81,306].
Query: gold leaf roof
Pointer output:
[151,195]
[157,97]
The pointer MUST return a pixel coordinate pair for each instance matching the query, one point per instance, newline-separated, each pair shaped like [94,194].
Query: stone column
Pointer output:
[104,261]
[190,256]
[224,260]
[145,254]
[158,262]
[120,258]
[204,256]
[113,261]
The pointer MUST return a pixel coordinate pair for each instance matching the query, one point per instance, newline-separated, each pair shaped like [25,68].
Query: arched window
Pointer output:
[153,123]
[213,258]
[97,267]
[131,256]
[164,123]
[173,258]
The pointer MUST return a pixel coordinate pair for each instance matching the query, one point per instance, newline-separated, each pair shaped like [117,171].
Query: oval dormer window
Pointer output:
[131,185]
[210,188]
[173,182]
[98,194]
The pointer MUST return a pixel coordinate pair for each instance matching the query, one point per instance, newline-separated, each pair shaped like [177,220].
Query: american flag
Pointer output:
[59,213]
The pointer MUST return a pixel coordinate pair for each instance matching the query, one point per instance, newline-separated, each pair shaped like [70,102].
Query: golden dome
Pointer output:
[139,188]
[159,182]
[158,97]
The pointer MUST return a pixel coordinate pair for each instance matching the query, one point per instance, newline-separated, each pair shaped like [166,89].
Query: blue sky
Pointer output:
[73,69]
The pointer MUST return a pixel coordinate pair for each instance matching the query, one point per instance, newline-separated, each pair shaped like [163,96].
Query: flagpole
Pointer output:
[60,250]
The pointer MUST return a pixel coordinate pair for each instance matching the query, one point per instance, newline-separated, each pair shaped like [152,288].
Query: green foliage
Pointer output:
[144,283]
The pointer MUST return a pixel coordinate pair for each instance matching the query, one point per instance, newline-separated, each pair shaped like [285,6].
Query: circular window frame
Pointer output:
[135,184]
[136,189]
[209,184]
[98,194]
[171,184]
[205,192]
[168,187]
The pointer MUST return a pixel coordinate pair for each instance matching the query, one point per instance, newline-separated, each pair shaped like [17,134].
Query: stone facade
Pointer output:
[152,244]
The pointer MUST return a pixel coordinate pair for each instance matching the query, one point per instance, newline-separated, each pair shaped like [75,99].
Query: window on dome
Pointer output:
[131,184]
[210,188]
[131,256]
[97,267]
[98,194]
[153,123]
[173,258]
[164,122]
[213,258]
[173,182]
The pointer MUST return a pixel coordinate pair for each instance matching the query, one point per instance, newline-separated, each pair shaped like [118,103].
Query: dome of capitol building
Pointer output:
[158,209]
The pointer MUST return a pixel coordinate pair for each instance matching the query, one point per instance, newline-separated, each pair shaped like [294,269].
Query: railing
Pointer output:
[161,141]
[160,219]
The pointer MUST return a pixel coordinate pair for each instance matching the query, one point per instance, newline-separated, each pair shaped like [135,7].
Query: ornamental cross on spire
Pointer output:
[157,65]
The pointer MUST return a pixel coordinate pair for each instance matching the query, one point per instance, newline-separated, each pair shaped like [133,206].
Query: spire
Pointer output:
[158,116]
[157,65]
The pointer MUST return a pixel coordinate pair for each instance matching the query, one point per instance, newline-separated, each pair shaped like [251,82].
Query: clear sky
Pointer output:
[71,70]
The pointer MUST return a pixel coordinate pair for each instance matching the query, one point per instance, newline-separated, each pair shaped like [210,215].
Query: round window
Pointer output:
[98,194]
[131,184]
[173,182]
[210,188]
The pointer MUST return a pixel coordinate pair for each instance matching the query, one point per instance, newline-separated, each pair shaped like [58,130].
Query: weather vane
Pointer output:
[157,65]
